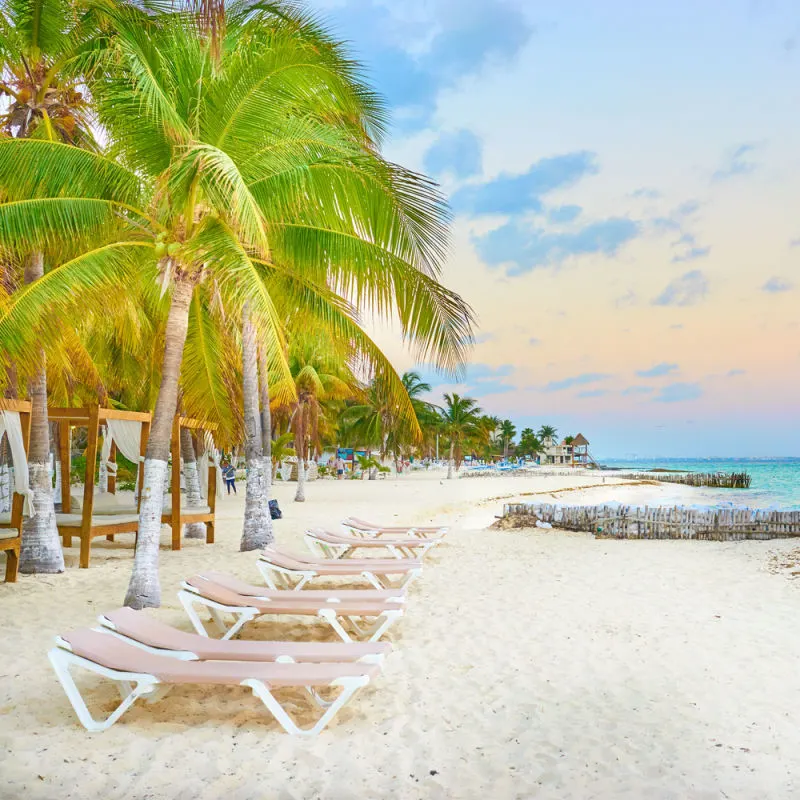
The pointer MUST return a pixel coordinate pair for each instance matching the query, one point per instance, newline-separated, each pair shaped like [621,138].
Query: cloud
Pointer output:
[534,341]
[593,393]
[736,164]
[525,248]
[630,298]
[794,243]
[678,327]
[415,51]
[483,372]
[564,214]
[776,285]
[490,387]
[512,194]
[458,153]
[482,338]
[634,390]
[689,289]
[678,392]
[657,371]
[646,193]
[691,254]
[576,380]
[732,373]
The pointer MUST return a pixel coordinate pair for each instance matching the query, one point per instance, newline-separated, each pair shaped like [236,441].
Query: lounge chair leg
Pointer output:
[242,615]
[12,565]
[349,687]
[61,661]
[329,615]
[372,633]
[209,533]
[110,537]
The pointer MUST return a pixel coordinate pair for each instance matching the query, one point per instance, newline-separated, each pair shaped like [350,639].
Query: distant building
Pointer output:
[574,454]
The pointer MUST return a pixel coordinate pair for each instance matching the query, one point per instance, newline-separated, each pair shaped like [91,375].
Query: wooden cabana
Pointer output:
[88,525]
[176,516]
[580,451]
[11,524]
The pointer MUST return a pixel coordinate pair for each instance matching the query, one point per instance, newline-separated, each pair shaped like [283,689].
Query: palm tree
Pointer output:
[281,450]
[319,376]
[230,172]
[37,40]
[547,432]
[529,444]
[460,417]
[507,434]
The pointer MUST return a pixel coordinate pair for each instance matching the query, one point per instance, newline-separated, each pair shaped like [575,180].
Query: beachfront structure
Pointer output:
[574,454]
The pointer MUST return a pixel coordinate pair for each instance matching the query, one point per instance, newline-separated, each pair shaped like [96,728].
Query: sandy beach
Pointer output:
[530,664]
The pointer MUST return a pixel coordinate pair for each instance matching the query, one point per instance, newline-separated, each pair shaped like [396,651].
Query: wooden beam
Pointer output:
[8,404]
[135,416]
[69,414]
[64,449]
[88,487]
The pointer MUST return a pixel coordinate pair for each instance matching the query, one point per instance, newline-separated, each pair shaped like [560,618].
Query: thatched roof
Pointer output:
[580,441]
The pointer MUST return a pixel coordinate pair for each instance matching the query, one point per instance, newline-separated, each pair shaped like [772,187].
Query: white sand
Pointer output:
[530,664]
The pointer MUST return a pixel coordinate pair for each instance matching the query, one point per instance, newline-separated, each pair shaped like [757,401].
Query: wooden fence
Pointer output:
[679,522]
[717,480]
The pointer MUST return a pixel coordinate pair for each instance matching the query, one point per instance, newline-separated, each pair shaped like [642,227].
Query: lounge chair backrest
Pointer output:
[142,627]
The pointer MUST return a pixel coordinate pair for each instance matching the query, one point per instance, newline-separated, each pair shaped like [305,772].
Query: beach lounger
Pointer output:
[337,545]
[142,674]
[360,527]
[288,571]
[140,629]
[337,609]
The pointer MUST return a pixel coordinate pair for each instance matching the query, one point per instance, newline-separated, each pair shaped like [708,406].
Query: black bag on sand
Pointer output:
[274,511]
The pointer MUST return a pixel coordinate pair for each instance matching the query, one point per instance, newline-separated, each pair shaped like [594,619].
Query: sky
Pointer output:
[625,183]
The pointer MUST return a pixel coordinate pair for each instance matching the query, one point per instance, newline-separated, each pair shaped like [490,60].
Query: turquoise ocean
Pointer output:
[776,481]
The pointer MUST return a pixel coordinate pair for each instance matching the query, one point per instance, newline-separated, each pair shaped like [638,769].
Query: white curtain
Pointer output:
[107,467]
[210,455]
[127,434]
[9,422]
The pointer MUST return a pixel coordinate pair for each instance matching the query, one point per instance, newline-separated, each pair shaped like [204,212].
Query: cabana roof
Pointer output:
[580,441]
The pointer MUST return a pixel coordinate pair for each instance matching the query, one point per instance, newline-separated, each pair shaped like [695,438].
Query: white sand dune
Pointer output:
[530,664]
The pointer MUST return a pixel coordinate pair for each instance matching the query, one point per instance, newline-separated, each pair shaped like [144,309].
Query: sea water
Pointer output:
[775,484]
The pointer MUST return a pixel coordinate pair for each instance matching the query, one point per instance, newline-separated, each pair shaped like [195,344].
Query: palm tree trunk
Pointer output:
[299,446]
[41,547]
[194,497]
[144,589]
[450,460]
[257,530]
[266,425]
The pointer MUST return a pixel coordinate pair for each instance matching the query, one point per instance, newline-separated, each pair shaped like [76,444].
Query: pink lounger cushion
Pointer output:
[142,627]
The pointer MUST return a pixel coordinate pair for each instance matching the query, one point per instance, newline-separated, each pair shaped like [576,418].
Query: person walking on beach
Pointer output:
[229,473]
[339,469]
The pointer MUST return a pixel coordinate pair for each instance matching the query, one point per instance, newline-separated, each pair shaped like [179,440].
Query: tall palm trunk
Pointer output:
[144,588]
[41,548]
[300,449]
[266,424]
[194,497]
[257,530]
[450,460]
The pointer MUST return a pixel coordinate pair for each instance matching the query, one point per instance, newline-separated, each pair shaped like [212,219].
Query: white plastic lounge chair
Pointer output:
[140,629]
[139,673]
[360,527]
[337,545]
[282,570]
[337,610]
